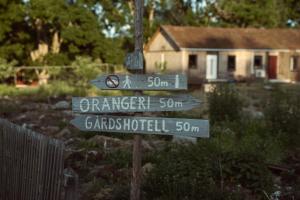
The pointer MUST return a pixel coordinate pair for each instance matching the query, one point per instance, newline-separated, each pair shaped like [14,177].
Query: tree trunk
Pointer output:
[42,46]
[56,42]
[151,13]
[131,6]
[38,54]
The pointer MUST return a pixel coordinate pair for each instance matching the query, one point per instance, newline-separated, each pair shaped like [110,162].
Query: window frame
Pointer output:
[261,66]
[294,62]
[229,68]
[195,65]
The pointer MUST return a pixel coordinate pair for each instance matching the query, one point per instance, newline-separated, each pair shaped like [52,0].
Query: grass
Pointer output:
[54,89]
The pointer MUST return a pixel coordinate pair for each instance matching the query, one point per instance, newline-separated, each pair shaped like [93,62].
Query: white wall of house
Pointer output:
[161,51]
[195,75]
[172,60]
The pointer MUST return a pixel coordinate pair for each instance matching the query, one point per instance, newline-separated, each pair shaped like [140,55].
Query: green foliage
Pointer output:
[282,113]
[224,104]
[14,37]
[59,88]
[86,70]
[6,69]
[248,170]
[248,13]
[205,171]
[55,89]
[180,173]
[291,11]
[56,59]
[161,66]
[120,158]
[80,28]
[249,135]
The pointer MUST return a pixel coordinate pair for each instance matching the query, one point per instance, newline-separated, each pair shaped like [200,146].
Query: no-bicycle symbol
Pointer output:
[112,81]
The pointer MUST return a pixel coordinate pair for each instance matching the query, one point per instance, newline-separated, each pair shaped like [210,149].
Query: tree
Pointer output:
[65,27]
[246,13]
[14,37]
[292,12]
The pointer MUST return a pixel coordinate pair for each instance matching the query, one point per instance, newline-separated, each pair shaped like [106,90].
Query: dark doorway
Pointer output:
[272,67]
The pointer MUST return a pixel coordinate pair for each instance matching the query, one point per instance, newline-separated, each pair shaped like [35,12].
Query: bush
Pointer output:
[6,69]
[86,70]
[180,173]
[56,59]
[282,113]
[206,171]
[224,104]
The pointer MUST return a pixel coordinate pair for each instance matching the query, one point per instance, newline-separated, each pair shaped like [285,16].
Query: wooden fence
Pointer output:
[31,165]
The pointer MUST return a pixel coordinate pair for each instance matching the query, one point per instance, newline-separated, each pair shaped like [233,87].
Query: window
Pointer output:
[294,61]
[258,64]
[231,63]
[192,61]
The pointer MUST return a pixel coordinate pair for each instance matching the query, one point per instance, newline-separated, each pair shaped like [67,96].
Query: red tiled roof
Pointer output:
[233,38]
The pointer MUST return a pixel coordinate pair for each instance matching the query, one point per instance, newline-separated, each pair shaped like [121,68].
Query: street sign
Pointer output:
[134,61]
[141,82]
[112,81]
[144,125]
[115,104]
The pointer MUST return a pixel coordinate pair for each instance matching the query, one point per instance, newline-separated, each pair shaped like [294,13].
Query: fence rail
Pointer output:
[31,164]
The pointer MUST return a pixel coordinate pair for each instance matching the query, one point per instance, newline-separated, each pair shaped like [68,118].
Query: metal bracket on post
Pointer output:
[134,61]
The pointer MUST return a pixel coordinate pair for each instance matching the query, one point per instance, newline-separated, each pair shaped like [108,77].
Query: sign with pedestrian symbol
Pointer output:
[141,82]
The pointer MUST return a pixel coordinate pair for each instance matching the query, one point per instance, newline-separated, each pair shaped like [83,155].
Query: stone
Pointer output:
[268,87]
[105,141]
[146,145]
[61,105]
[147,168]
[258,114]
[41,117]
[68,112]
[51,129]
[73,141]
[105,193]
[21,117]
[183,140]
[64,133]
[29,126]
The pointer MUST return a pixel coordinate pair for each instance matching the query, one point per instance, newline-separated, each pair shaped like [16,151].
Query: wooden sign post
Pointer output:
[137,124]
[136,180]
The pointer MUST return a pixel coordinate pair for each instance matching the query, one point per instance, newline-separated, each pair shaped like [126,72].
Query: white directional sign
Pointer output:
[141,82]
[144,125]
[114,104]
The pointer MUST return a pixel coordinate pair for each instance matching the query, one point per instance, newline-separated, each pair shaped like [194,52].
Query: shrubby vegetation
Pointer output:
[234,162]
[283,116]
[6,69]
[211,169]
[224,104]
